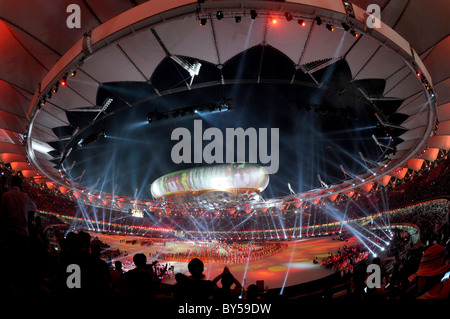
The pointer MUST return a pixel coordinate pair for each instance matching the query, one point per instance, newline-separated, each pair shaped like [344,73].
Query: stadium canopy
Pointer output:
[125,40]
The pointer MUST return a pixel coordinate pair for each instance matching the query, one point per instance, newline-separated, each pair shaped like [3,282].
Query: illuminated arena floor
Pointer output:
[289,267]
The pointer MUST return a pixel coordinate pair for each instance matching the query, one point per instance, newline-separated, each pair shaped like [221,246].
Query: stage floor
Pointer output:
[289,267]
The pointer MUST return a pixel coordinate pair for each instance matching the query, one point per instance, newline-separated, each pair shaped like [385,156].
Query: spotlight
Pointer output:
[302,23]
[202,21]
[345,26]
[329,27]
[288,16]
[219,15]
[55,89]
[64,80]
[353,33]
[274,20]
[73,73]
[237,19]
[318,20]
[253,14]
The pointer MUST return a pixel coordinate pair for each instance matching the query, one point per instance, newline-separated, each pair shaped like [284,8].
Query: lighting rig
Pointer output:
[223,105]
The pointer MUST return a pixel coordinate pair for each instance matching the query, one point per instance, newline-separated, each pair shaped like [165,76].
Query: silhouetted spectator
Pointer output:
[180,289]
[140,281]
[117,275]
[252,293]
[14,209]
[225,293]
[99,279]
[197,287]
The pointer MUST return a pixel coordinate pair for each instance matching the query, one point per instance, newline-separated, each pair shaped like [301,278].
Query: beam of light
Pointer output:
[244,276]
[361,208]
[356,234]
[301,222]
[365,237]
[242,222]
[374,235]
[357,129]
[309,219]
[290,261]
[282,225]
[133,126]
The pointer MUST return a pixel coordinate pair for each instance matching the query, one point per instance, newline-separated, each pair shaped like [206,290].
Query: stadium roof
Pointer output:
[121,42]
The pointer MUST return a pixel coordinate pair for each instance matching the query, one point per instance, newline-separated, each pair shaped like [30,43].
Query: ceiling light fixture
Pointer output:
[318,20]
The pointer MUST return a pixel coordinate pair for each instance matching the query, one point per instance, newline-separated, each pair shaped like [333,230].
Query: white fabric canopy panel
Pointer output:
[443,91]
[233,38]
[111,65]
[442,142]
[11,122]
[288,37]
[414,105]
[423,32]
[443,128]
[144,50]
[406,87]
[414,133]
[360,53]
[434,60]
[381,65]
[12,100]
[11,157]
[18,64]
[188,38]
[407,144]
[325,44]
[443,112]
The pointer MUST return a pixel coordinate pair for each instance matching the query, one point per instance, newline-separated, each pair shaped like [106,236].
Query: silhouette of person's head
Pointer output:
[118,265]
[180,278]
[376,261]
[227,280]
[16,181]
[84,240]
[140,260]
[252,292]
[196,268]
[95,250]
[71,241]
